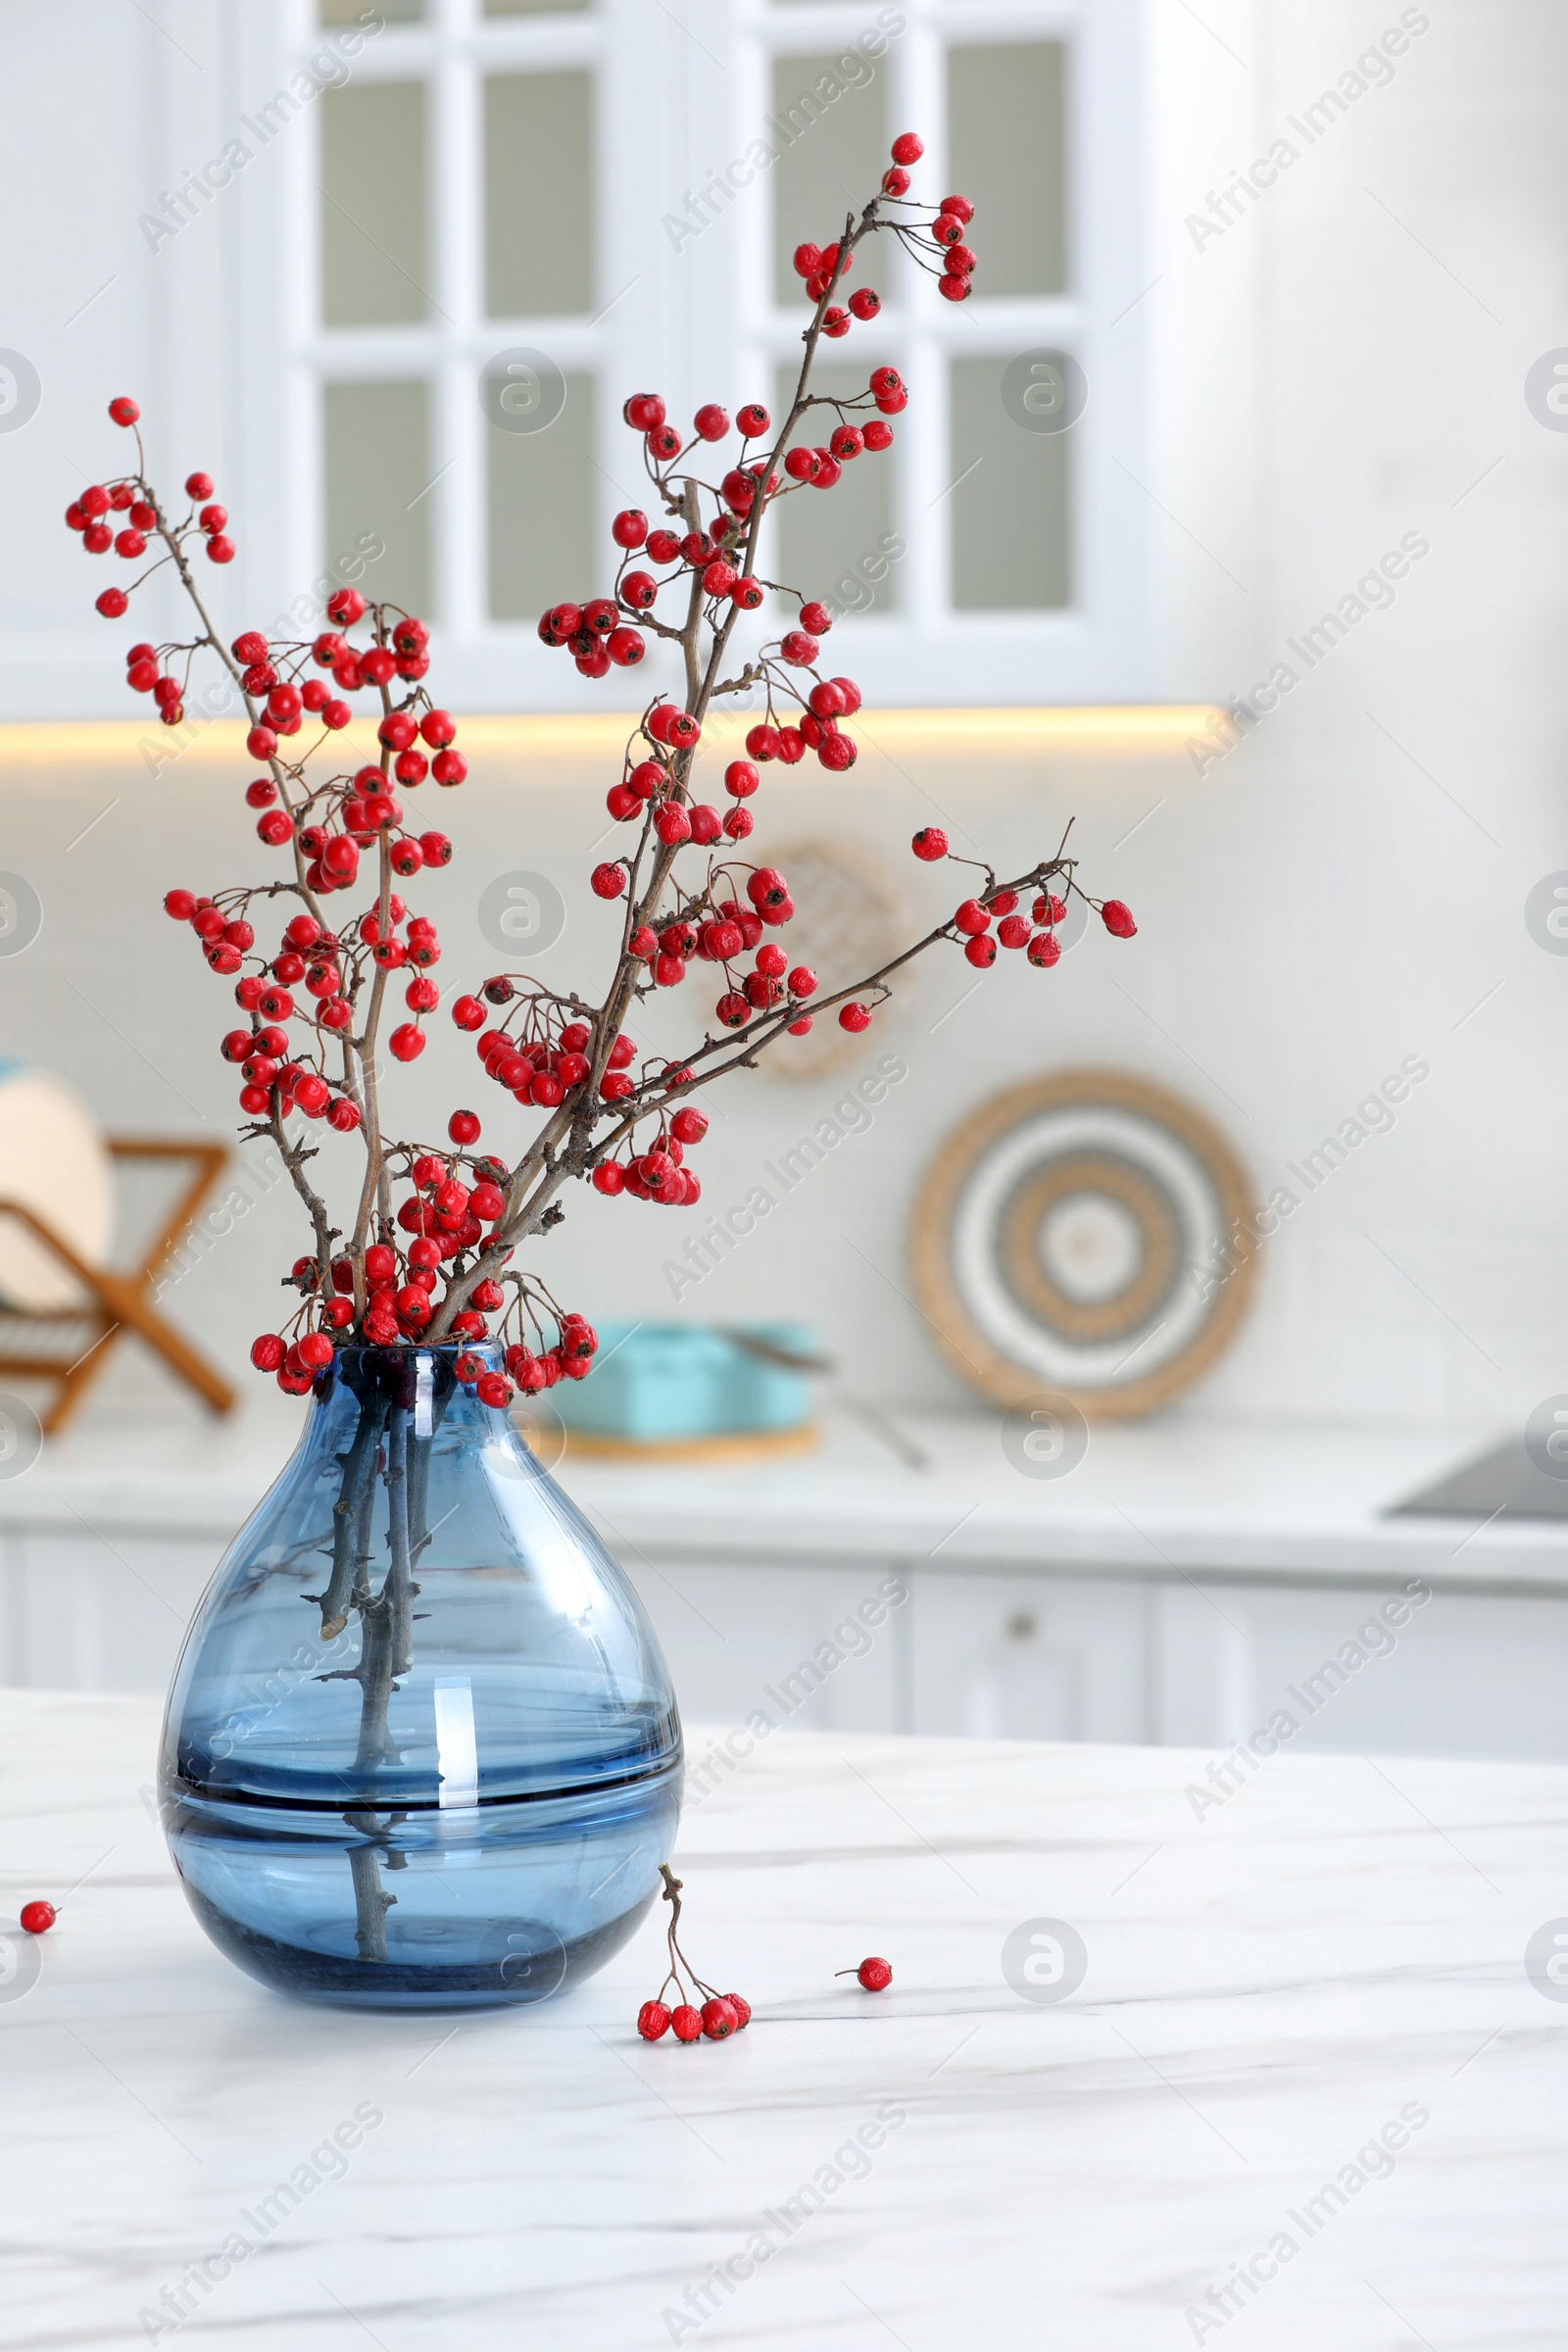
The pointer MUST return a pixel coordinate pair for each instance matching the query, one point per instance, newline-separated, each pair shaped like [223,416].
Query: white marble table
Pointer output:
[1270,1990]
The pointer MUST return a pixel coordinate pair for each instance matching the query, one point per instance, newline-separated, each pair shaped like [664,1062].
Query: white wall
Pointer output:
[1316,907]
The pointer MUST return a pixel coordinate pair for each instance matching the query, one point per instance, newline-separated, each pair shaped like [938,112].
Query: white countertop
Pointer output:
[1164,1499]
[1268,1990]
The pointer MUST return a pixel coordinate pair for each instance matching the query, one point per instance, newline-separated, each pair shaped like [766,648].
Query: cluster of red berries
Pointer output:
[314,1001]
[696,2010]
[712,922]
[331,965]
[655,1172]
[129,497]
[948,231]
[973,919]
[971,922]
[308,994]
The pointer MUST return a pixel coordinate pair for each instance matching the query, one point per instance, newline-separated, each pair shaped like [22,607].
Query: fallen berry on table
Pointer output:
[874,1975]
[37,1917]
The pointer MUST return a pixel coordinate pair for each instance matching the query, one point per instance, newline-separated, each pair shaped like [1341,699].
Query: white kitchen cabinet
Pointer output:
[1029,1657]
[1208,1581]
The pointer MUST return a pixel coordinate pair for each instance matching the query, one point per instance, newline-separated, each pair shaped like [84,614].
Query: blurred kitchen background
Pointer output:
[1297,276]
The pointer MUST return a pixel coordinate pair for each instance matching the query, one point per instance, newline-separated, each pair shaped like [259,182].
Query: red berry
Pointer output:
[742,2009]
[971,917]
[687,2023]
[123,410]
[908,147]
[1117,918]
[718,2019]
[267,1353]
[930,843]
[981,952]
[653,2019]
[37,1917]
[1045,949]
[854,1017]
[895,182]
[952,290]
[112,602]
[407,1040]
[875,1974]
[712,422]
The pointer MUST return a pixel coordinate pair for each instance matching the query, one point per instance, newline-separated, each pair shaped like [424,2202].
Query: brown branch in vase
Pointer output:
[419,1254]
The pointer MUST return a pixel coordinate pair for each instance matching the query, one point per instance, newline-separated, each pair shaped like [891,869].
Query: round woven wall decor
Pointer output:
[849,919]
[1071,1235]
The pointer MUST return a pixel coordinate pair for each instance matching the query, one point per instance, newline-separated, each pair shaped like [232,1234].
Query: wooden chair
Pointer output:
[114,1301]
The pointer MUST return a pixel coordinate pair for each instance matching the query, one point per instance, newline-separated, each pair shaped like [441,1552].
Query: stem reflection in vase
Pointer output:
[447,1773]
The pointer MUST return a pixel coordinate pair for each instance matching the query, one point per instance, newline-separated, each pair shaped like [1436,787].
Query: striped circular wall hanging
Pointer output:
[1076,1234]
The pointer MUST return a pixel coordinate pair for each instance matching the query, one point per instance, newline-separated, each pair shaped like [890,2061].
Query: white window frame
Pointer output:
[1100,647]
[672,102]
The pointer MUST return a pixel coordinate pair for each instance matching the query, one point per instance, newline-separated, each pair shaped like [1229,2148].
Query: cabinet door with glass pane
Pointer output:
[521,210]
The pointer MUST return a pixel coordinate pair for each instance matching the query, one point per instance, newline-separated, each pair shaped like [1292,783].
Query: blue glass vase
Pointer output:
[421,1749]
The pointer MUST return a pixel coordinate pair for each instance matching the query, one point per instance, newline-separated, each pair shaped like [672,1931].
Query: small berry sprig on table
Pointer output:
[872,1976]
[716,2014]
[423,1249]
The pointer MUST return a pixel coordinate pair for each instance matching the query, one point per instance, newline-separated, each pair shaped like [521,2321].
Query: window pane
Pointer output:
[372,204]
[1006,152]
[528,7]
[1008,503]
[827,124]
[538,194]
[541,511]
[837,545]
[391,12]
[377,466]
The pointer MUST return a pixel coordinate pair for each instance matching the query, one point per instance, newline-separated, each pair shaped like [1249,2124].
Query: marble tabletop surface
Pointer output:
[1305,2093]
